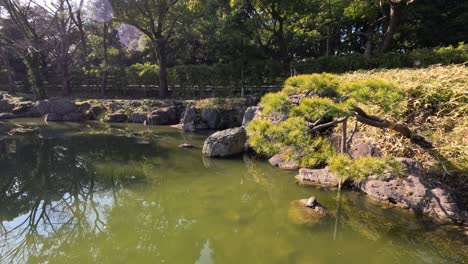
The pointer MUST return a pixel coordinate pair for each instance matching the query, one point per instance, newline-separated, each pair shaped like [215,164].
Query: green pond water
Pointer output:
[98,193]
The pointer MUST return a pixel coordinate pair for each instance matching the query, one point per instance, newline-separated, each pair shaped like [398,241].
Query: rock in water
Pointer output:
[311,202]
[283,160]
[225,143]
[116,118]
[62,106]
[58,106]
[413,192]
[137,117]
[163,116]
[318,177]
[301,213]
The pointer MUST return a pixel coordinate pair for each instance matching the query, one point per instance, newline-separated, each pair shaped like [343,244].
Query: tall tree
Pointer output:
[158,20]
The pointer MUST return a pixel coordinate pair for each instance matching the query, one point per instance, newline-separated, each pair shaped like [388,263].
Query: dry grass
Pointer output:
[437,107]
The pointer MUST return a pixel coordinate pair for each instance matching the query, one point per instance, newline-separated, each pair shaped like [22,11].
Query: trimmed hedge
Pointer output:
[353,62]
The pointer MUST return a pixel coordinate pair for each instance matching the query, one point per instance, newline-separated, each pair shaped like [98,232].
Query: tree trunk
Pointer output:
[368,36]
[395,13]
[104,70]
[33,64]
[66,89]
[9,71]
[283,48]
[163,87]
[344,147]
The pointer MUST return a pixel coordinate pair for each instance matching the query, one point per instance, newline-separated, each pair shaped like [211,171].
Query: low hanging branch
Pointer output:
[313,127]
[375,121]
[401,128]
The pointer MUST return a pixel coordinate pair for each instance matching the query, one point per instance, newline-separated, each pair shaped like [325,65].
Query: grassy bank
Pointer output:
[436,104]
[417,105]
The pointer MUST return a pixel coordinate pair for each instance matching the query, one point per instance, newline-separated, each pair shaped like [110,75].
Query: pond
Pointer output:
[99,193]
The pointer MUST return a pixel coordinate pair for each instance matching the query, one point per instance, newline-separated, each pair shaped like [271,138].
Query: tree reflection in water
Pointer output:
[50,189]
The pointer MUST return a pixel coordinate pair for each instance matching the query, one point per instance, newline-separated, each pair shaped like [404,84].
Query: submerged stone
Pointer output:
[303,212]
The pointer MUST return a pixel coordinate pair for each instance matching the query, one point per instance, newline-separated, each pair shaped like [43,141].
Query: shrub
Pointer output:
[375,93]
[353,62]
[146,73]
[315,149]
[316,107]
[357,169]
[275,103]
[259,131]
[320,84]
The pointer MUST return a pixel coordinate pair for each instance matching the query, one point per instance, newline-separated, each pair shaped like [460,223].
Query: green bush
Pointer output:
[375,93]
[315,149]
[324,84]
[357,169]
[354,62]
[275,103]
[146,73]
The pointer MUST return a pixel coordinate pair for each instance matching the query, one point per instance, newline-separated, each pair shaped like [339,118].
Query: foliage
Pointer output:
[375,93]
[436,102]
[357,169]
[315,108]
[353,62]
[258,131]
[275,103]
[314,149]
[319,84]
[146,73]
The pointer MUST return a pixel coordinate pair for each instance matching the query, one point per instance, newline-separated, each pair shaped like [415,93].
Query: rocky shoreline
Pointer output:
[410,190]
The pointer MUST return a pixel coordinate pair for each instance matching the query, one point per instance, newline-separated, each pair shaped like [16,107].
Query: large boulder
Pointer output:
[318,177]
[75,117]
[137,117]
[58,106]
[163,116]
[283,160]
[211,117]
[62,106]
[116,118]
[41,108]
[414,192]
[250,114]
[225,143]
[189,119]
[195,119]
[231,118]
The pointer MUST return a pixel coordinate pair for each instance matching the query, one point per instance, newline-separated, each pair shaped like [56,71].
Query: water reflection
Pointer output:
[93,193]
